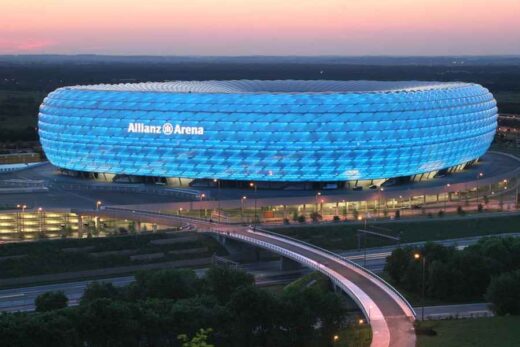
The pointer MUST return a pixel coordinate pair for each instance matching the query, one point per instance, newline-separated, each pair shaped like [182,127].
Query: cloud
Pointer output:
[24,46]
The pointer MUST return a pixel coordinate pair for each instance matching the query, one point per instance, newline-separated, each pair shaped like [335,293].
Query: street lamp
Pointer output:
[447,195]
[478,178]
[316,199]
[242,203]
[202,196]
[417,256]
[218,197]
[252,185]
[40,214]
[98,204]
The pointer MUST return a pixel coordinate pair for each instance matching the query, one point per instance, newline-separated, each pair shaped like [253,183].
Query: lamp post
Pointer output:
[98,204]
[202,196]
[40,210]
[242,203]
[417,256]
[316,200]
[478,178]
[447,195]
[253,185]
[22,215]
[218,197]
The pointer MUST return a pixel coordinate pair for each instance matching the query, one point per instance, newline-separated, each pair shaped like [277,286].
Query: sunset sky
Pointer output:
[260,27]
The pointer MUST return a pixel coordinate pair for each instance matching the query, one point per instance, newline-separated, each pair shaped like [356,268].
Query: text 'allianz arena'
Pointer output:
[279,131]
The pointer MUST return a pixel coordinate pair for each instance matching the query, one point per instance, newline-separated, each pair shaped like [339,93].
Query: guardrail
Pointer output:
[303,260]
[349,262]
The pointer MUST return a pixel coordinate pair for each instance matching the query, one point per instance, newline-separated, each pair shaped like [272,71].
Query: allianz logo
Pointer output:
[166,129]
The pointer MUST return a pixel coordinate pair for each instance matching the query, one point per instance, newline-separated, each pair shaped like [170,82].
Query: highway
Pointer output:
[22,299]
[390,315]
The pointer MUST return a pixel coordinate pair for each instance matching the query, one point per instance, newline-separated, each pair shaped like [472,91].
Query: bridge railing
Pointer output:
[335,277]
[346,260]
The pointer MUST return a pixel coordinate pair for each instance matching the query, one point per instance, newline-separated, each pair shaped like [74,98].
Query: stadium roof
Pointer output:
[277,86]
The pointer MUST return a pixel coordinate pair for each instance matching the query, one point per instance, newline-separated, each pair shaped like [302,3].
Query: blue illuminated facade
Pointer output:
[291,131]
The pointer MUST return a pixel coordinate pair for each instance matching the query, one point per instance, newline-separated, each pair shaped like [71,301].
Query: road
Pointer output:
[22,299]
[389,314]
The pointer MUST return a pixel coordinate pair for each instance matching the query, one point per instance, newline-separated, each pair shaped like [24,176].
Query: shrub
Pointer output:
[336,219]
[504,293]
[301,218]
[316,217]
[51,301]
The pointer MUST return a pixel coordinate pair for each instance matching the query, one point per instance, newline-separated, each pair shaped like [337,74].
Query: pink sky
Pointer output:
[260,27]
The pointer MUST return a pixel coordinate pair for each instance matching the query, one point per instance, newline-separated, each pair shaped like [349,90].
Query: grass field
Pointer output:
[343,236]
[482,332]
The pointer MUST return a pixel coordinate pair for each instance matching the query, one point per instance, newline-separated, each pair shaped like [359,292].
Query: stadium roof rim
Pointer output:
[276,86]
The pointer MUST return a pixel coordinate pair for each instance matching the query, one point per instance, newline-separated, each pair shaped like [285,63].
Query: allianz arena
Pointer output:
[268,131]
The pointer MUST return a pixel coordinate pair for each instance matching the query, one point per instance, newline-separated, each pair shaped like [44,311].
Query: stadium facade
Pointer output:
[268,131]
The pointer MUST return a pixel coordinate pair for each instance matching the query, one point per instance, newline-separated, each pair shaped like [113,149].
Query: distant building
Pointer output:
[269,131]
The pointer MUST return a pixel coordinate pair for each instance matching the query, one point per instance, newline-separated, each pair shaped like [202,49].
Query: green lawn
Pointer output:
[343,236]
[482,332]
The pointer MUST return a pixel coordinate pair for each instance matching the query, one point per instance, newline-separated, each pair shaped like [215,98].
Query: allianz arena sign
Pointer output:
[166,129]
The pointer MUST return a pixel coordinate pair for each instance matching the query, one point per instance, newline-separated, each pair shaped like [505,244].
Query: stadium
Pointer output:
[280,134]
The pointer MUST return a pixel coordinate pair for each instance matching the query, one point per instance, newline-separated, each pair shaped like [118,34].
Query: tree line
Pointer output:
[488,270]
[162,305]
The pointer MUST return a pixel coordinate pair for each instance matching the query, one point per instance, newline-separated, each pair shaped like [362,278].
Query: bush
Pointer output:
[316,217]
[504,293]
[51,301]
[301,218]
[336,218]
[98,290]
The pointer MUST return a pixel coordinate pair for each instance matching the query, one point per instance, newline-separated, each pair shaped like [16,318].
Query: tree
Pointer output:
[104,322]
[97,290]
[397,262]
[222,281]
[504,293]
[51,301]
[167,284]
[255,312]
[199,340]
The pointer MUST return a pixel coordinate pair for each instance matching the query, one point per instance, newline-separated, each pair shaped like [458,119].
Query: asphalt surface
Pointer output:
[22,299]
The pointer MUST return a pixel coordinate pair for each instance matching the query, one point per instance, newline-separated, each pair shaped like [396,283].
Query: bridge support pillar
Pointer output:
[239,251]
[289,264]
